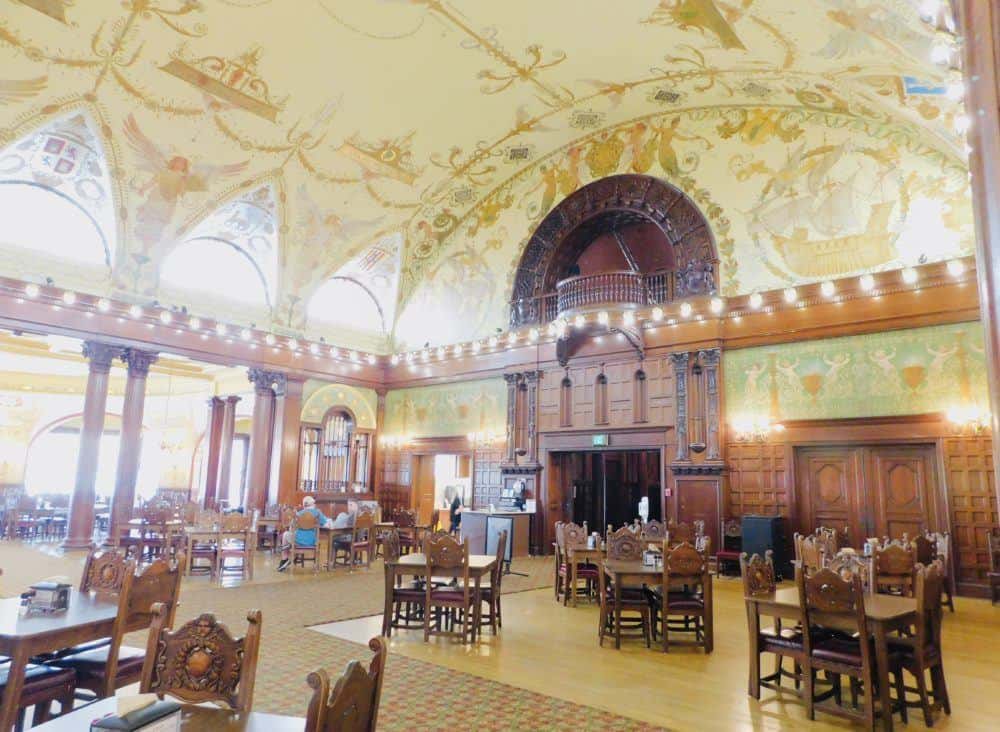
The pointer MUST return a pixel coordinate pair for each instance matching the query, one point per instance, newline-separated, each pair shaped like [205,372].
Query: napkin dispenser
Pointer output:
[49,596]
[161,716]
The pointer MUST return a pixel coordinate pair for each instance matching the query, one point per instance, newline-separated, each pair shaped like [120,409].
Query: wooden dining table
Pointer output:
[415,565]
[193,719]
[88,617]
[885,614]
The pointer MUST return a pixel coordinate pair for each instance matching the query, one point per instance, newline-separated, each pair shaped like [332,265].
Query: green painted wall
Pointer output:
[899,372]
[447,409]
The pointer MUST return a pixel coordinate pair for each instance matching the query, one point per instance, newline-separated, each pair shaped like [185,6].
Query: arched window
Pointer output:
[601,400]
[566,402]
[639,397]
[335,454]
[55,194]
[346,303]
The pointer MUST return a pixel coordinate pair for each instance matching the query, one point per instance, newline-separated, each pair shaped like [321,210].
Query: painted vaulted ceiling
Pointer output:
[411,146]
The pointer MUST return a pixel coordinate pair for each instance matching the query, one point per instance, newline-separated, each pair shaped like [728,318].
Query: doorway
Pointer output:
[437,480]
[869,491]
[605,487]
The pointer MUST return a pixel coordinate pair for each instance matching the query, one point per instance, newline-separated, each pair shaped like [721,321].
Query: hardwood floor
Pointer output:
[553,650]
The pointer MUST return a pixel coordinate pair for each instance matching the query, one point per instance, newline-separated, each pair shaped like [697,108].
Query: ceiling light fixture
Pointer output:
[956,267]
[602,317]
[867,282]
[533,334]
[962,124]
[657,313]
[791,295]
[579,321]
[756,299]
[457,350]
[221,330]
[395,359]
[245,334]
[940,54]
[194,323]
[314,349]
[628,318]
[165,317]
[685,309]
[440,352]
[511,338]
[910,275]
[371,359]
[476,347]
[493,341]
[293,345]
[104,305]
[269,339]
[135,311]
[31,289]
[828,289]
[929,10]
[69,297]
[716,305]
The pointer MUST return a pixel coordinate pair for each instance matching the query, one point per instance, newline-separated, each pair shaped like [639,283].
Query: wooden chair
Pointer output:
[236,540]
[443,551]
[361,539]
[830,601]
[680,533]
[687,592]
[201,661]
[489,593]
[406,606]
[894,566]
[352,706]
[560,568]
[921,651]
[942,545]
[849,563]
[811,551]
[759,579]
[653,531]
[626,546]
[268,534]
[406,524]
[42,686]
[924,549]
[203,547]
[574,535]
[302,553]
[104,571]
[732,545]
[993,574]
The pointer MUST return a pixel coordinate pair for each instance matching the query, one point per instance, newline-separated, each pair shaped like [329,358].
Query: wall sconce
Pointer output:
[754,429]
[969,419]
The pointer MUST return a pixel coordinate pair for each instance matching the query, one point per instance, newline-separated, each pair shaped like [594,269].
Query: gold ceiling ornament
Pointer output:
[388,158]
[234,80]
[18,90]
[55,9]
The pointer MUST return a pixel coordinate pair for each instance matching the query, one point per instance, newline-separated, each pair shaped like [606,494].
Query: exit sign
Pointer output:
[599,440]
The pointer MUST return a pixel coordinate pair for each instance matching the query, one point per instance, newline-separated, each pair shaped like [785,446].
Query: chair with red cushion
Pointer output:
[686,593]
[444,552]
[575,535]
[407,605]
[631,610]
[42,686]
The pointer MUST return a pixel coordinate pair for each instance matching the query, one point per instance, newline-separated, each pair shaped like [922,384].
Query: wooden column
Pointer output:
[283,485]
[130,441]
[980,29]
[710,364]
[532,378]
[513,380]
[213,443]
[226,446]
[81,509]
[264,383]
[378,458]
[680,362]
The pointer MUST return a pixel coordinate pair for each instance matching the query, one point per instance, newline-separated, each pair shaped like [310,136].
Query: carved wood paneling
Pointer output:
[972,503]
[486,476]
[757,480]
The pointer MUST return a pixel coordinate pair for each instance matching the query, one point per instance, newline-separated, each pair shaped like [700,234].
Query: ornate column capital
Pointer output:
[233,398]
[533,376]
[139,361]
[512,379]
[680,360]
[280,385]
[101,355]
[264,381]
[710,356]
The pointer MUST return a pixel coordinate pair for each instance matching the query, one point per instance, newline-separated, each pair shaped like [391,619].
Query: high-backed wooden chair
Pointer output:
[849,563]
[924,549]
[993,574]
[104,571]
[201,661]
[630,612]
[302,553]
[406,524]
[406,605]
[729,553]
[942,545]
[678,533]
[654,531]
[561,568]
[42,685]
[236,541]
[202,546]
[759,579]
[921,651]
[361,541]
[686,592]
[444,552]
[575,535]
[352,706]
[894,566]
[830,601]
[489,592]
[624,544]
[812,551]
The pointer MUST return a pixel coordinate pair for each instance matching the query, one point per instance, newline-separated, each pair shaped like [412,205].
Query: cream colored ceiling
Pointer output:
[797,125]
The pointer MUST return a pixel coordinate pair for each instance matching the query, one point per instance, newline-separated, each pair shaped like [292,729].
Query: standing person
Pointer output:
[303,537]
[455,512]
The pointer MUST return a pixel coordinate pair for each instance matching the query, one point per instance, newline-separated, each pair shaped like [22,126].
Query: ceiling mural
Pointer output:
[818,136]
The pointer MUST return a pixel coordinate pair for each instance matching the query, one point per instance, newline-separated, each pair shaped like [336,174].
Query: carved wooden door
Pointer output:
[698,500]
[423,488]
[901,490]
[830,491]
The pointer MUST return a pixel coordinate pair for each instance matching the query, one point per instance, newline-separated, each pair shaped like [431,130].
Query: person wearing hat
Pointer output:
[303,537]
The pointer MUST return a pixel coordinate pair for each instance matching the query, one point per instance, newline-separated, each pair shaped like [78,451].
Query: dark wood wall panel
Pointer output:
[972,503]
[757,480]
[486,478]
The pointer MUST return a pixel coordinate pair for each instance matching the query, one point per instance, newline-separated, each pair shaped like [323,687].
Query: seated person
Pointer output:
[303,537]
[344,520]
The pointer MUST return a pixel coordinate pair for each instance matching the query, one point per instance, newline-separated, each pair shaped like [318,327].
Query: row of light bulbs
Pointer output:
[629,318]
[205,329]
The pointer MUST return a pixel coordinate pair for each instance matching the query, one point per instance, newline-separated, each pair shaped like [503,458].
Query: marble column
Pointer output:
[681,363]
[283,484]
[130,442]
[226,447]
[264,383]
[81,509]
[212,445]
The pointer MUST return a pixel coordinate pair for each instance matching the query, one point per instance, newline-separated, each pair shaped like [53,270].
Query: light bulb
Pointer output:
[69,297]
[293,345]
[269,339]
[657,313]
[409,358]
[956,267]
[533,334]
[424,355]
[493,341]
[194,323]
[371,359]
[909,275]
[628,317]
[314,349]
[791,295]
[334,353]
[104,305]
[135,311]
[929,10]
[579,321]
[245,334]
[353,355]
[221,330]
[440,352]
[602,317]
[956,91]
[828,289]
[756,299]
[867,282]
[165,317]
[476,347]
[685,309]
[511,338]
[716,305]
[457,350]
[395,359]
[31,289]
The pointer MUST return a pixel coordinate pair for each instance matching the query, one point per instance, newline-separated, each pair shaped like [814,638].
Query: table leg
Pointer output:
[618,613]
[572,574]
[12,693]
[753,622]
[390,583]
[478,614]
[882,662]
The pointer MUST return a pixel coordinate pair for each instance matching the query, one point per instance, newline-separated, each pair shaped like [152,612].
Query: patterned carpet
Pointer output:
[416,694]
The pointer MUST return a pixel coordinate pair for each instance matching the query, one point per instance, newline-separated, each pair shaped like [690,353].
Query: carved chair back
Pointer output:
[352,705]
[850,563]
[925,549]
[157,582]
[391,547]
[811,551]
[831,601]
[496,574]
[119,628]
[446,551]
[574,534]
[104,571]
[683,532]
[654,531]
[235,522]
[558,531]
[624,544]
[189,512]
[684,565]
[406,519]
[929,585]
[201,661]
[364,526]
[206,519]
[758,574]
[894,566]
[942,544]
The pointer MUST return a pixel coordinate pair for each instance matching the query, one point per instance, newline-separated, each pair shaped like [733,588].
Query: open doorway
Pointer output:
[437,481]
[606,487]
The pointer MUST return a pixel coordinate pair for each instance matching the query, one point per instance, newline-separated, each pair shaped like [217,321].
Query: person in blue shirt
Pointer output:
[303,537]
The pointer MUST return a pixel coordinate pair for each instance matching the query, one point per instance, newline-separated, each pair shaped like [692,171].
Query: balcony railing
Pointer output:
[591,292]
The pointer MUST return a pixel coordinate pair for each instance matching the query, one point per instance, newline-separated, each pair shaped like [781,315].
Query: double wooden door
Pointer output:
[869,491]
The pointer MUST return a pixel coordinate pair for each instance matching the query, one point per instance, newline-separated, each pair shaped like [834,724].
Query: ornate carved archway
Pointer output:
[606,206]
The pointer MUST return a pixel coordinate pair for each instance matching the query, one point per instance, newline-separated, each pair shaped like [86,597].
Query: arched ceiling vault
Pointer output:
[805,127]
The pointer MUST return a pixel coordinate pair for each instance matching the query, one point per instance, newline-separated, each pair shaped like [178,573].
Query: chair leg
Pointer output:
[940,688]
[810,680]
[925,702]
[41,713]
